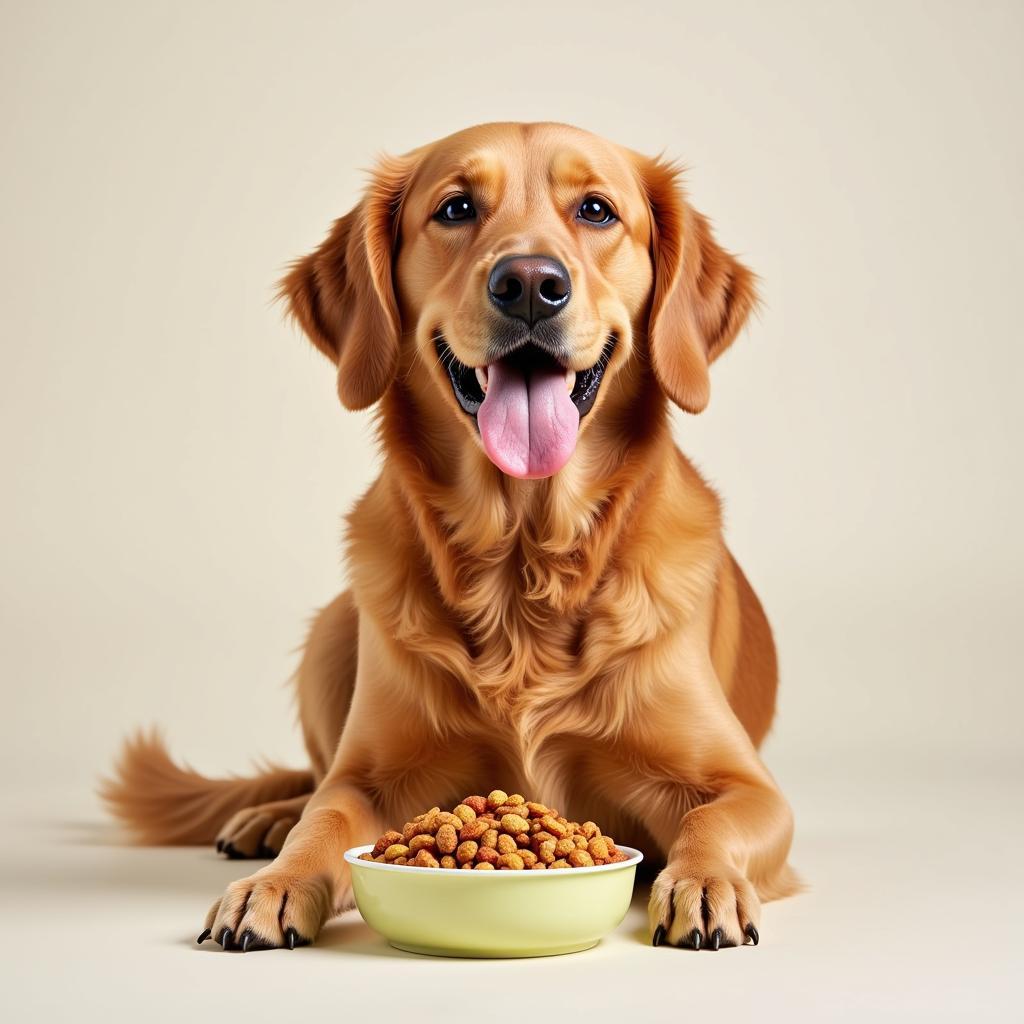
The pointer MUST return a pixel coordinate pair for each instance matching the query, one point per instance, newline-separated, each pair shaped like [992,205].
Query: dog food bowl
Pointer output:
[445,912]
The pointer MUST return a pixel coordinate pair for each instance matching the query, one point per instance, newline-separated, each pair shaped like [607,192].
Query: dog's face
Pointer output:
[525,265]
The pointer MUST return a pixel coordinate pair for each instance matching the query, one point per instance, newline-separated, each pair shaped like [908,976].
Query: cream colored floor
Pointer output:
[914,911]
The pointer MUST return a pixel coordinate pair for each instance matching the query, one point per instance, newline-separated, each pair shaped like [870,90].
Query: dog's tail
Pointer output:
[164,804]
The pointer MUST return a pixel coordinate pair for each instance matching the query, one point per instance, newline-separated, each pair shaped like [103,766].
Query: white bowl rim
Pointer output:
[635,856]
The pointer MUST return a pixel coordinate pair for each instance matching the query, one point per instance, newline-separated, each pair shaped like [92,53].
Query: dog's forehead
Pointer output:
[521,160]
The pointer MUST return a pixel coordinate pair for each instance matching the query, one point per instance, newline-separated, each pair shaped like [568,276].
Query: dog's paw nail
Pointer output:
[659,935]
[233,854]
[295,939]
[202,938]
[220,845]
[751,933]
[691,941]
[225,937]
[715,939]
[247,938]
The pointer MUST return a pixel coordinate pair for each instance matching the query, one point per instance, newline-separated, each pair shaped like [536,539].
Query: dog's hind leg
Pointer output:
[260,831]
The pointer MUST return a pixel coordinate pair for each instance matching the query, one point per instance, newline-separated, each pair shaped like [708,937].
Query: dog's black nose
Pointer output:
[529,288]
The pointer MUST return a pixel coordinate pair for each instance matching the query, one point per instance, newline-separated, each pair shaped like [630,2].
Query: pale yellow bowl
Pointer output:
[492,913]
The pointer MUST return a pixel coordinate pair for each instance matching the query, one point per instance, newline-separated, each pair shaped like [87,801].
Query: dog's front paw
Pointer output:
[269,910]
[696,907]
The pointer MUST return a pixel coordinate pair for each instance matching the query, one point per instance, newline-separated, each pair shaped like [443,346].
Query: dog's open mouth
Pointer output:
[527,406]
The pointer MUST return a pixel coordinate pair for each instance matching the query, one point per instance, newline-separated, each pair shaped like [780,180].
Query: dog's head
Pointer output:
[520,268]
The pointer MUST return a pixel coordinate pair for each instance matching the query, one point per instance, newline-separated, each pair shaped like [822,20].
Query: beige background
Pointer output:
[175,462]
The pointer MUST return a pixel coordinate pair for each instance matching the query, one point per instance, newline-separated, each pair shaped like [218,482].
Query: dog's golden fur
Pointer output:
[585,638]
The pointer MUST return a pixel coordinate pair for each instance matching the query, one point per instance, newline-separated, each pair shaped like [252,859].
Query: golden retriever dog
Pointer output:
[540,595]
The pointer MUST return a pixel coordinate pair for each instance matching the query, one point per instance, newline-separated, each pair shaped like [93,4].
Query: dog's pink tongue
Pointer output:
[528,427]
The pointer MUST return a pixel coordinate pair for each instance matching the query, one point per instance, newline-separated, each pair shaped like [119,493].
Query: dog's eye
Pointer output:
[456,210]
[594,210]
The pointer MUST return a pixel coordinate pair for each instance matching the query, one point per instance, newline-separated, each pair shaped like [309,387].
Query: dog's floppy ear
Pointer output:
[343,295]
[702,294]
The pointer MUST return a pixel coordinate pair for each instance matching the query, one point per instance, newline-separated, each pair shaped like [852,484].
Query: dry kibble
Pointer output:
[514,824]
[386,840]
[466,851]
[564,847]
[499,831]
[422,842]
[473,830]
[447,839]
[478,803]
[555,826]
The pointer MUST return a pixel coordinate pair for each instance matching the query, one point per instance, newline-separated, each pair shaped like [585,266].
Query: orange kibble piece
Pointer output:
[466,851]
[386,840]
[514,824]
[478,803]
[447,839]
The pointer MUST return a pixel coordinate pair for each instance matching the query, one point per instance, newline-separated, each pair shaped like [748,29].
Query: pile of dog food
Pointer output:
[497,832]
